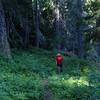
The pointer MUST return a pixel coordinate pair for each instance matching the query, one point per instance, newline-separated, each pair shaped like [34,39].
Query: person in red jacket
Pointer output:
[59,62]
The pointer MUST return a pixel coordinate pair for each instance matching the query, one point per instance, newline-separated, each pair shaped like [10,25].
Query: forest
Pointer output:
[33,33]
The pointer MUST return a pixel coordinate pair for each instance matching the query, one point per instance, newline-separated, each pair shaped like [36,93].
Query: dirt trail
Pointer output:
[47,92]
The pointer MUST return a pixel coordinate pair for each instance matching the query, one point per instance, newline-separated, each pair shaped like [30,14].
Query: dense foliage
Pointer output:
[69,27]
[33,71]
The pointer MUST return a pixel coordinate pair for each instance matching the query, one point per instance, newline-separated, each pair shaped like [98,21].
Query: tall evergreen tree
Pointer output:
[37,11]
[74,23]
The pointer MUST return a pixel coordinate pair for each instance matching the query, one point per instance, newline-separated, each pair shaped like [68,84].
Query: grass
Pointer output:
[23,78]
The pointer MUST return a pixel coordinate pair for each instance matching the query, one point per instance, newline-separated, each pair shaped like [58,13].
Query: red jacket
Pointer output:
[59,59]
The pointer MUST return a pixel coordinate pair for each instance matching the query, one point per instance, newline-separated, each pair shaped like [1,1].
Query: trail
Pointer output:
[48,95]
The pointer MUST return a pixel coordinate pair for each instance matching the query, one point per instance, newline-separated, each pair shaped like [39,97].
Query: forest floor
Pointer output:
[32,76]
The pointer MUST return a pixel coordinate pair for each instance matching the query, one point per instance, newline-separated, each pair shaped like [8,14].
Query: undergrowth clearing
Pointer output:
[23,78]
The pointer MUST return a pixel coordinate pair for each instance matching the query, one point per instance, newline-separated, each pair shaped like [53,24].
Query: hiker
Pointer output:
[59,62]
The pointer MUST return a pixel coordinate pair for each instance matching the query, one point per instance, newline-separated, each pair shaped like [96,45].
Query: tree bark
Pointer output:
[4,45]
[74,27]
[39,36]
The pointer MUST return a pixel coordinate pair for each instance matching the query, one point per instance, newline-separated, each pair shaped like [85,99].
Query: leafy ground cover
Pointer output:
[24,77]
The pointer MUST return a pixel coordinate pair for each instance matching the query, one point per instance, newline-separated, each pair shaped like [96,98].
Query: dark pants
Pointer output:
[59,68]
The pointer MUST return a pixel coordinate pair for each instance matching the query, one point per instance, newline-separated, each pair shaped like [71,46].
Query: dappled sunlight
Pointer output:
[49,50]
[69,81]
[79,82]
[28,74]
[85,70]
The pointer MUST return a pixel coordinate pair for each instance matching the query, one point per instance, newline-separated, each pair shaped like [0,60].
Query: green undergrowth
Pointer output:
[23,78]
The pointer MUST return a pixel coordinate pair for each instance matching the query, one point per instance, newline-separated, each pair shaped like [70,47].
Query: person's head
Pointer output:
[58,54]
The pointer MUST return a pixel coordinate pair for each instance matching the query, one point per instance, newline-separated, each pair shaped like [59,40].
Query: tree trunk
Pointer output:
[4,45]
[57,25]
[74,26]
[18,21]
[39,35]
[79,31]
